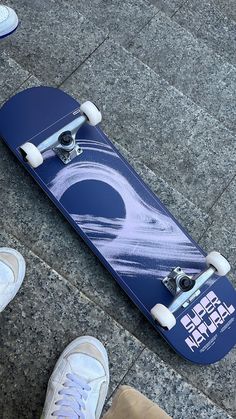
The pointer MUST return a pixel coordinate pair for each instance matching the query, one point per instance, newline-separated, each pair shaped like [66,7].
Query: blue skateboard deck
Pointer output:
[123,223]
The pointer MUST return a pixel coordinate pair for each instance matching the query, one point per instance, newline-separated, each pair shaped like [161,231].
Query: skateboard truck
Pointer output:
[63,142]
[186,288]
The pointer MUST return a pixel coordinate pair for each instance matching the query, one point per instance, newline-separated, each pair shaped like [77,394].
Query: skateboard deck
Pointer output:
[123,222]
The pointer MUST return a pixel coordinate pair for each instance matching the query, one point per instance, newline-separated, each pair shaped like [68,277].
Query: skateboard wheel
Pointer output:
[31,154]
[92,113]
[163,316]
[218,262]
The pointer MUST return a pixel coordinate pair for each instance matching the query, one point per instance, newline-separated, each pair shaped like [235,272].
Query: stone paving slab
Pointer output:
[210,23]
[216,381]
[228,7]
[221,233]
[194,14]
[220,36]
[161,45]
[189,65]
[170,7]
[157,124]
[122,19]
[52,40]
[159,382]
[46,315]
[11,76]
[226,104]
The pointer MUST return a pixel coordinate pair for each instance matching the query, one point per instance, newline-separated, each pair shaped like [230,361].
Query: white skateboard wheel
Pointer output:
[163,316]
[218,262]
[91,112]
[31,154]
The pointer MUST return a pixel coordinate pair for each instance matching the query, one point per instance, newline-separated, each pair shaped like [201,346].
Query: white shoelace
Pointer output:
[74,395]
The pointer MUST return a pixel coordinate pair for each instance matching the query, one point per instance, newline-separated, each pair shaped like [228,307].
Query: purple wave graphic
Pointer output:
[145,230]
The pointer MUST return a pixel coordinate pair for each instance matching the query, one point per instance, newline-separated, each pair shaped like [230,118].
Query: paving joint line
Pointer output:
[221,193]
[82,62]
[129,369]
[186,380]
[138,30]
[17,88]
[178,9]
[200,110]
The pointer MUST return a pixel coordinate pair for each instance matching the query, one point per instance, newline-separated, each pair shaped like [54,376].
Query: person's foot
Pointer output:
[8,21]
[79,383]
[12,272]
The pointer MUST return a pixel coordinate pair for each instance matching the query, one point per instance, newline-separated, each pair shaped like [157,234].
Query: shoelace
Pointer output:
[74,395]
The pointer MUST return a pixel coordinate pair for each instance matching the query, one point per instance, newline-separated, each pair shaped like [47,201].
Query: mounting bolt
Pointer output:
[65,138]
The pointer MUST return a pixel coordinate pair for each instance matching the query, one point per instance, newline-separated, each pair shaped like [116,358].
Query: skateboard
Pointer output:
[183,292]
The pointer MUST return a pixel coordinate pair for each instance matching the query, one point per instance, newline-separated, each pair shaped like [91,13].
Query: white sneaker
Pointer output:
[12,272]
[79,383]
[8,21]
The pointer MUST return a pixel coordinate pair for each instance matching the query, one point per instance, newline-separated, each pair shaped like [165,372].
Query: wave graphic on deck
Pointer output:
[145,230]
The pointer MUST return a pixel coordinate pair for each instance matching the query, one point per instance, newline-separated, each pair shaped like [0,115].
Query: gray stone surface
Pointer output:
[189,65]
[201,75]
[226,105]
[46,315]
[220,36]
[228,7]
[216,381]
[161,45]
[221,233]
[168,6]
[122,19]
[32,81]
[157,124]
[194,14]
[52,40]
[11,76]
[159,382]
[208,20]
